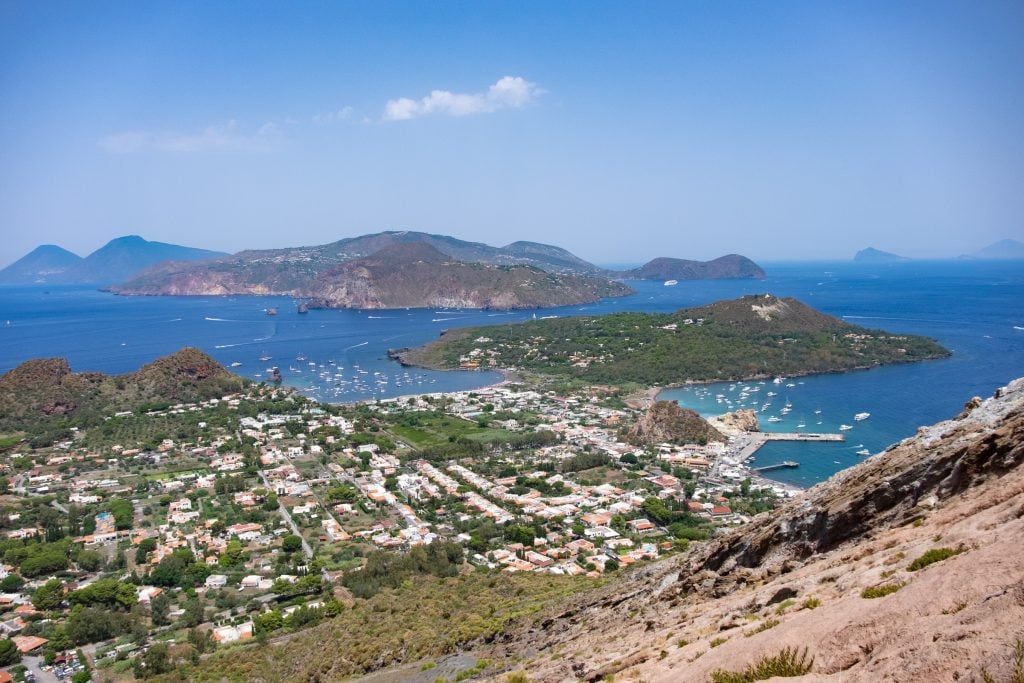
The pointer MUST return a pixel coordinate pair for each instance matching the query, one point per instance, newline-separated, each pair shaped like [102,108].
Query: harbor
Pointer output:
[757,439]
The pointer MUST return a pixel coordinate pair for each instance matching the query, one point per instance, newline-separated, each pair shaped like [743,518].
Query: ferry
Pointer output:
[844,428]
[671,283]
[861,416]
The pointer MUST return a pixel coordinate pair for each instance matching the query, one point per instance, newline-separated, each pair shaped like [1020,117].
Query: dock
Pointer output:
[758,439]
[776,466]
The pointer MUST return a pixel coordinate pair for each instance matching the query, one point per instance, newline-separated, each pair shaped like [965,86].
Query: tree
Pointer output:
[9,653]
[291,543]
[89,560]
[193,613]
[159,607]
[142,551]
[156,661]
[49,595]
[11,583]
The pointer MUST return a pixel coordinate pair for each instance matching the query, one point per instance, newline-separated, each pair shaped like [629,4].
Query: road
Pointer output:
[306,548]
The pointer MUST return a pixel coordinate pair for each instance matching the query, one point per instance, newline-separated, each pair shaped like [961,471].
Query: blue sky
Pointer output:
[621,131]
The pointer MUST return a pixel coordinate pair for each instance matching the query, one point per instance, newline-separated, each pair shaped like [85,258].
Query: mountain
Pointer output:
[45,263]
[872,255]
[751,337]
[392,270]
[123,257]
[40,392]
[906,567]
[293,270]
[117,260]
[416,275]
[730,266]
[1003,249]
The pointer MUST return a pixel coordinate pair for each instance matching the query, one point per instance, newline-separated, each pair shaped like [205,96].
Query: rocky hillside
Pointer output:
[731,266]
[417,275]
[667,422]
[44,391]
[908,567]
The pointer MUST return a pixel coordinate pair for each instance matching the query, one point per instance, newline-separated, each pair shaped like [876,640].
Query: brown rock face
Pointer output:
[740,420]
[667,422]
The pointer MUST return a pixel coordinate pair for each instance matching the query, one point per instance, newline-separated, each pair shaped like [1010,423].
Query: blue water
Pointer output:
[970,307]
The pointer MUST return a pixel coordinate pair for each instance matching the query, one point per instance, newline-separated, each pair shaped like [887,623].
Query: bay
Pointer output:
[976,309]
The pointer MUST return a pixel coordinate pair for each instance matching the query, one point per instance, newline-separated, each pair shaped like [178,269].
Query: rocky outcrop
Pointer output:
[46,388]
[736,422]
[667,422]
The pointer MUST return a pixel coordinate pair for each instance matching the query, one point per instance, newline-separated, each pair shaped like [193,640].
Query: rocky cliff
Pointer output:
[667,422]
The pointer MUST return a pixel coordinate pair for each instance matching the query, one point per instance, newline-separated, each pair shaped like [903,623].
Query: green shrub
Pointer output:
[932,556]
[717,641]
[811,603]
[882,591]
[788,662]
[770,623]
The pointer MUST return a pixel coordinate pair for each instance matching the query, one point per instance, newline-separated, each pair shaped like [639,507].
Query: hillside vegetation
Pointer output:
[44,396]
[754,336]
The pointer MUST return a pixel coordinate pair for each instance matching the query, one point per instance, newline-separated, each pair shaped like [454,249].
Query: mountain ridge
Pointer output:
[730,266]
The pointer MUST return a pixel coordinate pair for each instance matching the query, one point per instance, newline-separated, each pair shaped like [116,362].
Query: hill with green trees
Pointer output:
[43,395]
[751,337]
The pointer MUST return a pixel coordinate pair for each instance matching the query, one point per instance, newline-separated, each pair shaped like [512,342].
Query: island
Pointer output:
[872,255]
[730,266]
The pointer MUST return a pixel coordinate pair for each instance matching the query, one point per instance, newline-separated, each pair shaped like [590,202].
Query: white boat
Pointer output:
[844,428]
[671,283]
[235,364]
[861,416]
[774,419]
[863,451]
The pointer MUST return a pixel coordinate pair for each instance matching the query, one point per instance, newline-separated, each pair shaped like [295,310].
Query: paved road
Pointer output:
[306,548]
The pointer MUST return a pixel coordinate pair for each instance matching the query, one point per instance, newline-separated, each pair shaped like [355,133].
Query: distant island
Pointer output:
[1001,250]
[872,255]
[413,270]
[731,266]
[118,260]
[752,337]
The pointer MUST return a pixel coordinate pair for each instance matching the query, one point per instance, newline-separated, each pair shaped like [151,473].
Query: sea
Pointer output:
[974,308]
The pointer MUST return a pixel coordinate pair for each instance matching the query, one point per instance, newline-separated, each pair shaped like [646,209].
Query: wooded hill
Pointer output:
[751,337]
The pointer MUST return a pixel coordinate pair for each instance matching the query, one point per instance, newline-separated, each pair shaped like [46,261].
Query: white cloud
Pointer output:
[509,92]
[343,114]
[220,137]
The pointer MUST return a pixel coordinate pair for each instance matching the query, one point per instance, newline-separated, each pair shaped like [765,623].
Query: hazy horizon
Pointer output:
[791,131]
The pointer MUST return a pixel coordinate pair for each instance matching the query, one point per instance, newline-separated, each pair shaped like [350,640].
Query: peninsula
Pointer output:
[751,337]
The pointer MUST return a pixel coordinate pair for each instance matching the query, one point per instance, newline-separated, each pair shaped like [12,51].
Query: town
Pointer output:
[193,527]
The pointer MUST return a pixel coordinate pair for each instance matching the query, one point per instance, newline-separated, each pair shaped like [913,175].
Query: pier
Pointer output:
[777,466]
[758,439]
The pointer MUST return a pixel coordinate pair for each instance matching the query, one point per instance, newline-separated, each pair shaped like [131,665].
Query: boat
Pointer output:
[844,428]
[235,364]
[774,419]
[863,451]
[271,311]
[671,283]
[300,357]
[265,357]
[861,416]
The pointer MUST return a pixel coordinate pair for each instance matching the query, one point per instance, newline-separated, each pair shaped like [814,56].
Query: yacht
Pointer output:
[671,283]
[861,416]
[774,419]
[863,451]
[844,428]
